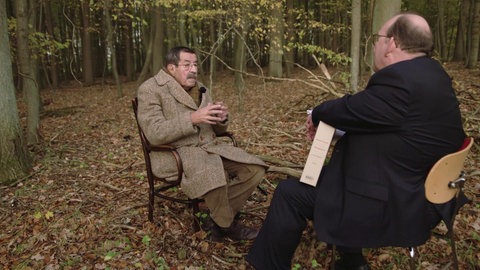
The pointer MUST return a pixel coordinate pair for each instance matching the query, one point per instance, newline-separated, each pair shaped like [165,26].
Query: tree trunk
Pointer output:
[276,41]
[52,60]
[460,43]
[239,65]
[87,63]
[111,46]
[158,38]
[355,43]
[441,32]
[475,36]
[382,11]
[28,74]
[289,52]
[128,43]
[182,35]
[14,157]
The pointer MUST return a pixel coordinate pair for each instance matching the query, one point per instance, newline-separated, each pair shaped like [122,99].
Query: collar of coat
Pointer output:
[163,78]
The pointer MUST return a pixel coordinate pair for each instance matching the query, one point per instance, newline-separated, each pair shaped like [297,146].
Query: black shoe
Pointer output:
[240,232]
[339,266]
[236,232]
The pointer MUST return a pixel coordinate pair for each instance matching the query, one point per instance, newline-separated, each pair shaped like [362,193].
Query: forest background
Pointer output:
[73,191]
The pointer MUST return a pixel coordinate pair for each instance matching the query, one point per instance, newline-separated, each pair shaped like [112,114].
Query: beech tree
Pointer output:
[27,70]
[14,158]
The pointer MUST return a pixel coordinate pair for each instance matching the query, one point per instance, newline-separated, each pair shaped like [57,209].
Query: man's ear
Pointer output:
[170,67]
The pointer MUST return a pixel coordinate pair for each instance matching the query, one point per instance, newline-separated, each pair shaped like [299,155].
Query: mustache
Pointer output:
[191,76]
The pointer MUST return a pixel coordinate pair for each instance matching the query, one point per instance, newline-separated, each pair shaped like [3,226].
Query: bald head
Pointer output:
[411,32]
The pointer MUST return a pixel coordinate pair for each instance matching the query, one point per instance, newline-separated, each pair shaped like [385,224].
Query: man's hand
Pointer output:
[224,114]
[210,114]
[311,129]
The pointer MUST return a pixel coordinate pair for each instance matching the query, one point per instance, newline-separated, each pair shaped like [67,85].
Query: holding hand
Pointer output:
[210,114]
[311,129]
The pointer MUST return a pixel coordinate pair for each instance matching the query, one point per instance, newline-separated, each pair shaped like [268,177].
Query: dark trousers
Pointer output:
[291,207]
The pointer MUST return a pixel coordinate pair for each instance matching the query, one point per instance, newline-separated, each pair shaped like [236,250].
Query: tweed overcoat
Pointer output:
[164,109]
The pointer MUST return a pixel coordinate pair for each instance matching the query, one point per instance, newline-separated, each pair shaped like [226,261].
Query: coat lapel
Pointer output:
[175,89]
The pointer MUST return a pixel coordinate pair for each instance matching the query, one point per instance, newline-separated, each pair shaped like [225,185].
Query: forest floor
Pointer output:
[84,205]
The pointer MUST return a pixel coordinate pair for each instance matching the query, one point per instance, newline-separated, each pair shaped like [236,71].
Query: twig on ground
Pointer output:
[222,261]
[278,161]
[288,171]
[281,145]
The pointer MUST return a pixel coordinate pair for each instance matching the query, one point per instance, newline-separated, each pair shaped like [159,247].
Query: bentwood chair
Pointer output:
[162,187]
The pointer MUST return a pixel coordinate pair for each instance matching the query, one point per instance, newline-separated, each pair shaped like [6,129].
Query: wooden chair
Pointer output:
[166,184]
[445,182]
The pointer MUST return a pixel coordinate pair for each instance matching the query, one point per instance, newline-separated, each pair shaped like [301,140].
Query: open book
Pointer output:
[318,153]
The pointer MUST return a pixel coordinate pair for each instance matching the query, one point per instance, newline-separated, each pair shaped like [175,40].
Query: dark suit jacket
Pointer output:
[371,193]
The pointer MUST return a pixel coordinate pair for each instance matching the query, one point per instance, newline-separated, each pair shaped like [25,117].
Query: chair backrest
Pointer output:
[446,170]
[145,144]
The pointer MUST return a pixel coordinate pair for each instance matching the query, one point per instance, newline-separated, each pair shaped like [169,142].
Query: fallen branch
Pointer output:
[278,145]
[278,161]
[285,170]
[224,262]
[280,131]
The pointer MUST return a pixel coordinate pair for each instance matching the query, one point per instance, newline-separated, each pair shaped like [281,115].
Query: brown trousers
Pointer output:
[226,201]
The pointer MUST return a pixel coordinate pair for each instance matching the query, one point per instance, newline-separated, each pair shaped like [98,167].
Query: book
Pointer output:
[318,152]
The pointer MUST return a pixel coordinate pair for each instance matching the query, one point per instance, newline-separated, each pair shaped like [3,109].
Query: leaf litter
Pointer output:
[84,205]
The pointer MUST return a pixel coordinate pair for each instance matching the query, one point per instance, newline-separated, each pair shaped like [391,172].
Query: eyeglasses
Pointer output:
[188,66]
[376,37]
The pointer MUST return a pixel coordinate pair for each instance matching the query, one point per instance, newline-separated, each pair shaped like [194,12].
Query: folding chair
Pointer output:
[445,182]
[166,184]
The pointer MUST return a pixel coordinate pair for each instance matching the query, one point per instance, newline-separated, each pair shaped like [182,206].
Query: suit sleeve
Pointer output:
[381,107]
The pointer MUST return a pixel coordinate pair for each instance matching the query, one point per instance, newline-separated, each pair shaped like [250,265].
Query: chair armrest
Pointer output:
[229,135]
[173,151]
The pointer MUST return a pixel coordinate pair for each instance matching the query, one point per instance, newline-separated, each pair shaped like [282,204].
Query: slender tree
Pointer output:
[158,38]
[475,36]
[355,43]
[382,11]
[27,72]
[290,33]
[111,47]
[87,56]
[14,157]
[275,68]
[460,44]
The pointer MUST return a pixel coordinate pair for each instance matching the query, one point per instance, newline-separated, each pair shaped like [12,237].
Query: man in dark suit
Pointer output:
[371,193]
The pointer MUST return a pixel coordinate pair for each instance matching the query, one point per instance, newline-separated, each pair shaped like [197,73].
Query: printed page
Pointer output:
[318,153]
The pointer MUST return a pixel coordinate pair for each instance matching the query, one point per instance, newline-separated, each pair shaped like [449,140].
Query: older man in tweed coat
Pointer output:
[173,108]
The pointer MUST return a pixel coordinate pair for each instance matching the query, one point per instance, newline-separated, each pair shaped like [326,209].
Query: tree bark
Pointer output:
[475,36]
[460,44]
[158,38]
[111,46]
[14,157]
[289,51]
[441,32]
[355,43]
[27,72]
[382,11]
[52,60]
[87,63]
[275,68]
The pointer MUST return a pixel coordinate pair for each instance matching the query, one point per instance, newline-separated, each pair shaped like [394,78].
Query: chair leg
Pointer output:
[451,235]
[151,199]
[411,253]
[195,209]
